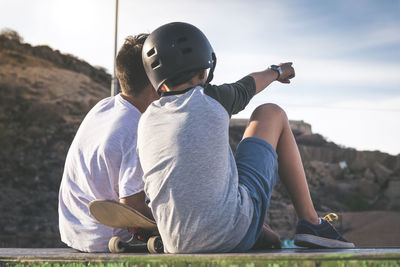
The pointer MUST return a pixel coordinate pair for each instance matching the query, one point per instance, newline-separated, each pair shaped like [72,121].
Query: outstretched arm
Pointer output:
[266,77]
[235,96]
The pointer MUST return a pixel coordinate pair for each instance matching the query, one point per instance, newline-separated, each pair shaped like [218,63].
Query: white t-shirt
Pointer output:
[102,163]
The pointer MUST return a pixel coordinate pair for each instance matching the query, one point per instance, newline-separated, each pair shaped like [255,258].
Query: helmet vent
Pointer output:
[151,52]
[155,64]
[186,50]
[181,39]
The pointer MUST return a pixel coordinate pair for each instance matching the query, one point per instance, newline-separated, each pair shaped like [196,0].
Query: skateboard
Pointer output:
[117,215]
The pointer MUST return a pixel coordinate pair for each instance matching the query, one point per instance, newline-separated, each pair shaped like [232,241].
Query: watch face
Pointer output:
[277,68]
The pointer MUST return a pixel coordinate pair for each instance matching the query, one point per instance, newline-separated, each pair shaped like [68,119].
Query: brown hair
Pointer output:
[129,65]
[182,78]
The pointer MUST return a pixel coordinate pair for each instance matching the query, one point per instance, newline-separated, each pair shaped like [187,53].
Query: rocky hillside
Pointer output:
[347,179]
[44,95]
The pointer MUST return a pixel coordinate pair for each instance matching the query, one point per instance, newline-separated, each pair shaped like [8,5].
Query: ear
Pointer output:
[203,74]
[164,88]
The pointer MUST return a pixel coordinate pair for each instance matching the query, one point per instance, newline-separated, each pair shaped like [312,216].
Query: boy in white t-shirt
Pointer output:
[102,162]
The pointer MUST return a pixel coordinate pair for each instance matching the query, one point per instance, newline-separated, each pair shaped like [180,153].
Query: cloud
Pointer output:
[349,72]
[313,71]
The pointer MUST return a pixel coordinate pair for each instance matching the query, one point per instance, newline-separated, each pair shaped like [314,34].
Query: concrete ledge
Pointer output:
[287,257]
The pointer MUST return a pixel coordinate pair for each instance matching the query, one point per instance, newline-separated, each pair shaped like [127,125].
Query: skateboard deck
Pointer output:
[117,215]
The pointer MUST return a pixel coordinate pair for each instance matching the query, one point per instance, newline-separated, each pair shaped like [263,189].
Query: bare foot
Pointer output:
[268,239]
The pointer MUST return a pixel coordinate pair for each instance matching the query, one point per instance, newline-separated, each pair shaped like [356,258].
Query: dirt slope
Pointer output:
[373,228]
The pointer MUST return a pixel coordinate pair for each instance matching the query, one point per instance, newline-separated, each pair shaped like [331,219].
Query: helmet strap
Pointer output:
[211,72]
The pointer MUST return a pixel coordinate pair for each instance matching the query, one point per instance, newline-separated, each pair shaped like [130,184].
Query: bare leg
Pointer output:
[269,122]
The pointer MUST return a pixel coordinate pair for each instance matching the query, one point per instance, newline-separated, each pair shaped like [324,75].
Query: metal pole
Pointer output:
[114,81]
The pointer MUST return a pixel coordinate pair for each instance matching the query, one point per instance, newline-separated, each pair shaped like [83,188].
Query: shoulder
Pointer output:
[233,96]
[246,82]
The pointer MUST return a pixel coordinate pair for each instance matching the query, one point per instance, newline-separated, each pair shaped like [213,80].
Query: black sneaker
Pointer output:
[323,235]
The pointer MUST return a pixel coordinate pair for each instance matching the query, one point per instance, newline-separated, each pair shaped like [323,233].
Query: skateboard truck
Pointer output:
[153,245]
[145,235]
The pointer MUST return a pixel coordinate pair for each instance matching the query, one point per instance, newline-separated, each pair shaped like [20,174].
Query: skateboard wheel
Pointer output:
[114,245]
[155,245]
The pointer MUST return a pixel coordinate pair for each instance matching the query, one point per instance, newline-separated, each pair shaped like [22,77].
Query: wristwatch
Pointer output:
[278,69]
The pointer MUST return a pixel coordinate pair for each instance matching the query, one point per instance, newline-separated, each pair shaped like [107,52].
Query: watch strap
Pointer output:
[277,69]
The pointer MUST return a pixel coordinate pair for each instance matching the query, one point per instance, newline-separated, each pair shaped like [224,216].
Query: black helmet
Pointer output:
[175,48]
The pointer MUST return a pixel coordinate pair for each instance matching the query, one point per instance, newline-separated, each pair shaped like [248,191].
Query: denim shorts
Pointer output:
[257,164]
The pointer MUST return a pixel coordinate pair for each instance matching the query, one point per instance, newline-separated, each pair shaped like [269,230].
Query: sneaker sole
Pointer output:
[312,241]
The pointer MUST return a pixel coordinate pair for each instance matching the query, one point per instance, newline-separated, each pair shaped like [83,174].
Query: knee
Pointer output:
[269,110]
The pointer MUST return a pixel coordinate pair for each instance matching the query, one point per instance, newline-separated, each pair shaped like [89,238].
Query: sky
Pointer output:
[346,54]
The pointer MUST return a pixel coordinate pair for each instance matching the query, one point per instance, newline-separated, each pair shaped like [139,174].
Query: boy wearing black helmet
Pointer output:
[202,197]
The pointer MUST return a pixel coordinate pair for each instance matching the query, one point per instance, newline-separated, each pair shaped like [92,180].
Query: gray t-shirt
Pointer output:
[190,173]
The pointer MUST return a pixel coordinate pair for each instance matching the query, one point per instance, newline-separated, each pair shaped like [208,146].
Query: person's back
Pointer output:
[184,139]
[102,162]
[92,171]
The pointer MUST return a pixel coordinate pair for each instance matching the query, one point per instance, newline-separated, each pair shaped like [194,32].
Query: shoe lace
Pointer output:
[331,217]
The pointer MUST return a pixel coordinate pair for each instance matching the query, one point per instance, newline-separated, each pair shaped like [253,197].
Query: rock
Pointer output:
[336,169]
[382,173]
[300,127]
[369,189]
[349,176]
[369,175]
[393,190]
[344,188]
[358,166]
